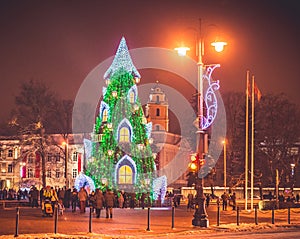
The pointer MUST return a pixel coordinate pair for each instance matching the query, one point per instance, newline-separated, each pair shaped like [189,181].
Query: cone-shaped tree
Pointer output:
[121,154]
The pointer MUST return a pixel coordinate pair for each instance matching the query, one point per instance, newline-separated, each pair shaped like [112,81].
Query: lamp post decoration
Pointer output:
[204,120]
[210,99]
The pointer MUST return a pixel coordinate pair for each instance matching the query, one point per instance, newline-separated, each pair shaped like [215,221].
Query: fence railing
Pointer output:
[238,214]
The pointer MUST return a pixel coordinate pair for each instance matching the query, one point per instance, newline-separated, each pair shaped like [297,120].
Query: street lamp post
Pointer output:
[225,161]
[66,144]
[293,175]
[200,215]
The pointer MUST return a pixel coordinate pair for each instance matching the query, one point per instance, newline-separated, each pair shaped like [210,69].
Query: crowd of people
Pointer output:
[78,199]
[108,199]
[226,199]
[11,194]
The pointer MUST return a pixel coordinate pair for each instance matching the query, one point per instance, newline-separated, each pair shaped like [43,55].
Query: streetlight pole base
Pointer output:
[200,215]
[202,222]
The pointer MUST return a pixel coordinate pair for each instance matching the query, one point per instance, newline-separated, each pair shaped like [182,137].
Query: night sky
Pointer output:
[60,42]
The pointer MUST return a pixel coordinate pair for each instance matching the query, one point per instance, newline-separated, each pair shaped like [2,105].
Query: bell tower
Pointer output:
[157,109]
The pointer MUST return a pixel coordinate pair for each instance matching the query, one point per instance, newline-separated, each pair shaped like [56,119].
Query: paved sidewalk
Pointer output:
[133,223]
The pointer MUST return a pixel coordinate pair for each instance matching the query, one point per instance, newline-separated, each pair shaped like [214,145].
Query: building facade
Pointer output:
[166,145]
[21,165]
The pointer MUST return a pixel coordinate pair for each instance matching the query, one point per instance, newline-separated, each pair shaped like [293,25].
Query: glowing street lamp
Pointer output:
[204,121]
[219,46]
[182,50]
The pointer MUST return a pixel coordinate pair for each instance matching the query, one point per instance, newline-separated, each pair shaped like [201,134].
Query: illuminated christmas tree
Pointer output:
[121,154]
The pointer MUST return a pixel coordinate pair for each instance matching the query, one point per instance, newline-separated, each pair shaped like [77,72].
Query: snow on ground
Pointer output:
[243,227]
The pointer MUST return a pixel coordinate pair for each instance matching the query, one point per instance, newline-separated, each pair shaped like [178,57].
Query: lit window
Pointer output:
[30,173]
[131,97]
[48,173]
[57,157]
[10,168]
[124,134]
[30,158]
[125,175]
[57,173]
[49,157]
[74,173]
[75,156]
[10,153]
[16,152]
[104,115]
[3,167]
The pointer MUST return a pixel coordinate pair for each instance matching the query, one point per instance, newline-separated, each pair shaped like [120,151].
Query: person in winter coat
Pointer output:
[233,200]
[121,200]
[109,202]
[224,200]
[92,200]
[74,199]
[82,196]
[34,193]
[54,198]
[99,202]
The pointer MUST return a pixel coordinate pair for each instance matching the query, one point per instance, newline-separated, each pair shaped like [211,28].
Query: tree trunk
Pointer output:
[43,170]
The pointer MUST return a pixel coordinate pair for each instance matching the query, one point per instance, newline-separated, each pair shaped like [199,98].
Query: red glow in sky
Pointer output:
[60,42]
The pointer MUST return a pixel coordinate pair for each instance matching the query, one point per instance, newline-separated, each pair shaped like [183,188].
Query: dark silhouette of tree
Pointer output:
[276,130]
[276,133]
[235,137]
[38,113]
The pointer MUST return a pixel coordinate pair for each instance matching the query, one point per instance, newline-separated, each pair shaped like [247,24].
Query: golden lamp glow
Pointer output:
[137,80]
[64,143]
[182,50]
[114,93]
[219,46]
[193,157]
[110,152]
[193,166]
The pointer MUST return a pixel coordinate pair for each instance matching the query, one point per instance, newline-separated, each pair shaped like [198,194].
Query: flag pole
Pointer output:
[247,139]
[252,142]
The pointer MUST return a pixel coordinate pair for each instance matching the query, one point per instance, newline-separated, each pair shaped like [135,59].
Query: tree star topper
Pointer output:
[122,60]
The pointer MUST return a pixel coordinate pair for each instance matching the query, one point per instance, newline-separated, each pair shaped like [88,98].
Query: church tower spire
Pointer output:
[157,109]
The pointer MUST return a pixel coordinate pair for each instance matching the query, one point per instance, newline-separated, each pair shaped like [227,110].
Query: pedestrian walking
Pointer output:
[99,202]
[92,201]
[190,201]
[54,198]
[109,203]
[82,197]
[132,201]
[224,198]
[121,200]
[67,198]
[74,199]
[34,195]
[233,201]
[61,194]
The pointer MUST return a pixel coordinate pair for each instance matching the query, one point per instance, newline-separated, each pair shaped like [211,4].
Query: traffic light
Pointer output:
[194,160]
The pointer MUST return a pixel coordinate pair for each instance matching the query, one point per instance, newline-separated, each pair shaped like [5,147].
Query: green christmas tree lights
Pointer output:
[121,153]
